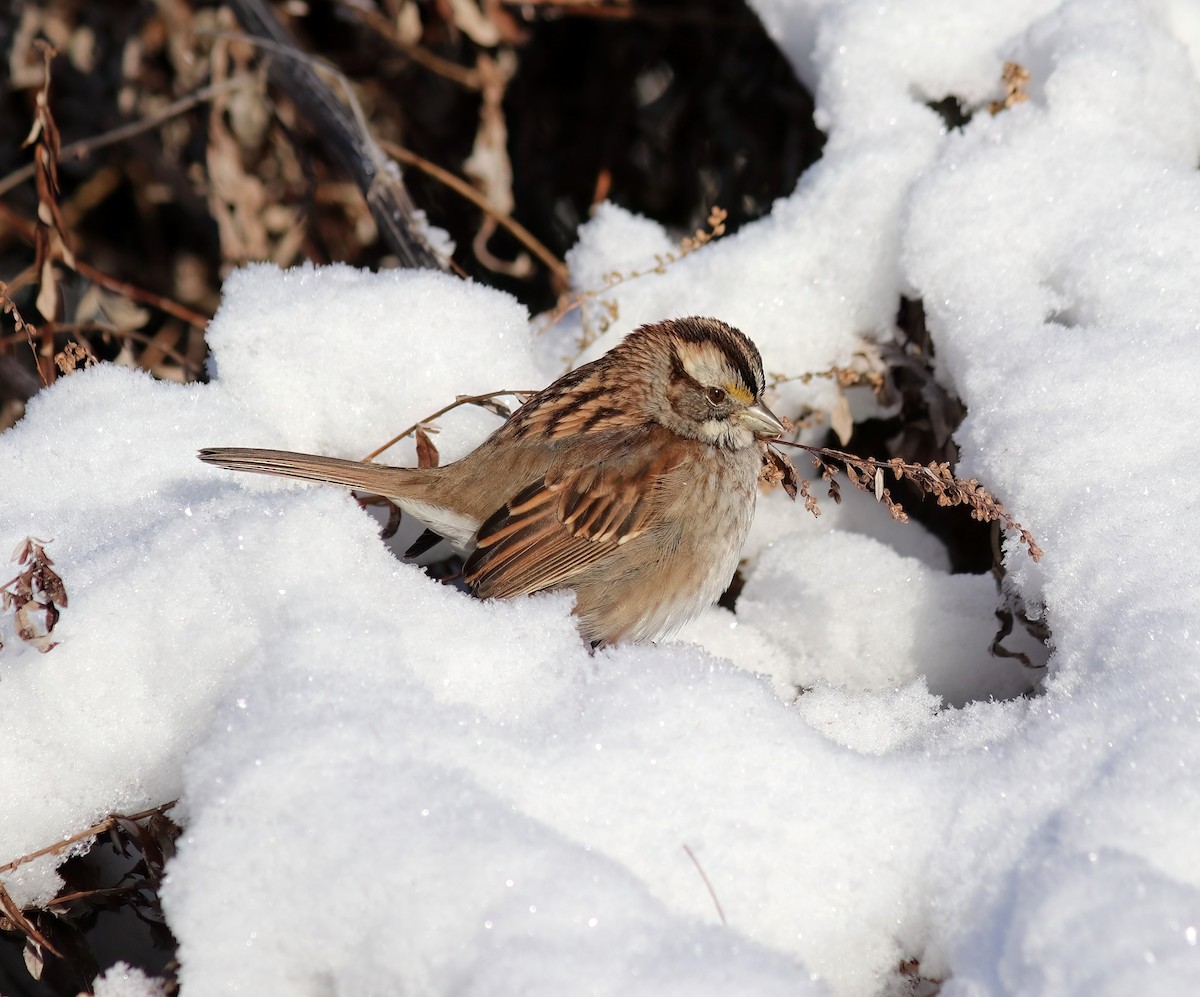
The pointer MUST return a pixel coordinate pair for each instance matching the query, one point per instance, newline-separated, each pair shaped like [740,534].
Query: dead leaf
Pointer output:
[1015,78]
[72,357]
[474,23]
[36,595]
[493,405]
[35,961]
[25,925]
[778,470]
[840,418]
[427,453]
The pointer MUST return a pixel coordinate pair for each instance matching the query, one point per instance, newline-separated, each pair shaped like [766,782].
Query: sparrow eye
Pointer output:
[715,396]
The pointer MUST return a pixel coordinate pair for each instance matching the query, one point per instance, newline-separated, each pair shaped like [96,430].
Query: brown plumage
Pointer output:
[630,480]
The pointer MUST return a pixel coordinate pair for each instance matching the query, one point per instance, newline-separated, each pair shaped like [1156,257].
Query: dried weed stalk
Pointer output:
[914,983]
[779,472]
[1015,78]
[707,882]
[36,596]
[866,369]
[404,34]
[49,232]
[73,356]
[450,180]
[867,374]
[9,307]
[598,313]
[97,312]
[83,148]
[51,242]
[934,479]
[489,401]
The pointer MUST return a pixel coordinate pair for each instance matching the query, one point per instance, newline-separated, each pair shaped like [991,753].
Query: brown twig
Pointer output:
[623,10]
[63,899]
[587,8]
[936,479]
[81,148]
[461,187]
[688,245]
[83,328]
[844,377]
[25,330]
[711,892]
[51,240]
[102,827]
[26,230]
[460,400]
[163,304]
[17,916]
[464,76]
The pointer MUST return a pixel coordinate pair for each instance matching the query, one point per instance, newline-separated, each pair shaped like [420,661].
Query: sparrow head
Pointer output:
[708,380]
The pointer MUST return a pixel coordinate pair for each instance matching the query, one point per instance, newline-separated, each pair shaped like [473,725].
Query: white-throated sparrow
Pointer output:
[630,480]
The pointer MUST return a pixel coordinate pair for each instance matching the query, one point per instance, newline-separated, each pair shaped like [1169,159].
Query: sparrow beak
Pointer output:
[761,421]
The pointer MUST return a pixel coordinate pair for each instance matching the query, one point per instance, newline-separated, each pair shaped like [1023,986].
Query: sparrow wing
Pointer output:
[568,521]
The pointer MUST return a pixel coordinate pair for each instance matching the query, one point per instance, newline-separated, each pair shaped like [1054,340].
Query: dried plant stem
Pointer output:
[844,377]
[81,148]
[17,916]
[688,245]
[618,10]
[63,899]
[711,892]
[464,76]
[111,822]
[936,479]
[460,186]
[27,231]
[84,328]
[460,400]
[24,331]
[163,304]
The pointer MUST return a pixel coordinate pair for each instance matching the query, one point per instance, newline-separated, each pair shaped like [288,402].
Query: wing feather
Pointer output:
[566,522]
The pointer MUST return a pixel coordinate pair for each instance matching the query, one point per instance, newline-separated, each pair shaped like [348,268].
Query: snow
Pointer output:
[389,786]
[813,599]
[123,980]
